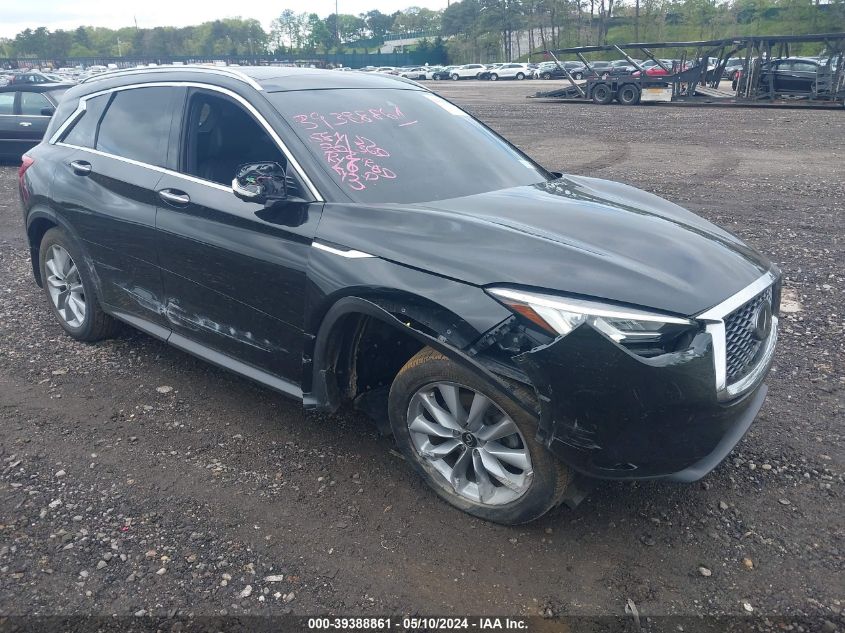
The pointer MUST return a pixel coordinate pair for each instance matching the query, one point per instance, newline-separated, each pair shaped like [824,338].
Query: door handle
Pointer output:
[174,197]
[81,167]
[24,123]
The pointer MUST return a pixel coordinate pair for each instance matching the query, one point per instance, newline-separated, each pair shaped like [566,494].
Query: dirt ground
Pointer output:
[135,479]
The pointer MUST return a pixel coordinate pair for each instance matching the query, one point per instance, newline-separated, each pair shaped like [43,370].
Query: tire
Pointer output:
[494,77]
[455,77]
[543,483]
[95,324]
[520,76]
[578,76]
[602,94]
[546,76]
[628,94]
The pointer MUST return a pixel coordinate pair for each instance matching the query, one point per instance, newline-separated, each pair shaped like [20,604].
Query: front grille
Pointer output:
[741,348]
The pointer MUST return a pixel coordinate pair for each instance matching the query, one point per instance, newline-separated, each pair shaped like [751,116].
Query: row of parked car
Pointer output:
[544,70]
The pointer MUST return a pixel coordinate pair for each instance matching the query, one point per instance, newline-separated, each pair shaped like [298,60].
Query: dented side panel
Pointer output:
[609,413]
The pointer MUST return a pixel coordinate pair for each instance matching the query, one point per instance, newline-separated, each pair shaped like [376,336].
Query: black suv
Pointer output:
[514,329]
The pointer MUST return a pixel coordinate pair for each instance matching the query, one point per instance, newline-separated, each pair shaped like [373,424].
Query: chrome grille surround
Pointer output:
[740,362]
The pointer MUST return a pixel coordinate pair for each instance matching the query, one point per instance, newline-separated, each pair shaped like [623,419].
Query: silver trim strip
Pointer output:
[350,254]
[235,74]
[158,84]
[162,170]
[714,318]
[720,311]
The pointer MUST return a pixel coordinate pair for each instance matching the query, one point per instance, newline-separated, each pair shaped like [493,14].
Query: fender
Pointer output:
[323,394]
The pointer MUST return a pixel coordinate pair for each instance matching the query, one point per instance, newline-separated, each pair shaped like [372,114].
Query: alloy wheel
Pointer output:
[474,446]
[65,286]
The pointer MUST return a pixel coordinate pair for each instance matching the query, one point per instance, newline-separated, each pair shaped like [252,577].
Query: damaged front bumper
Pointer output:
[609,413]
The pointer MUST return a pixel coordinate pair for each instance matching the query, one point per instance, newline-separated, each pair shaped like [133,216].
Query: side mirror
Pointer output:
[48,111]
[260,182]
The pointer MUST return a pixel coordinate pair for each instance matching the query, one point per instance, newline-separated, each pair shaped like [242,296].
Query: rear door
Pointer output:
[107,188]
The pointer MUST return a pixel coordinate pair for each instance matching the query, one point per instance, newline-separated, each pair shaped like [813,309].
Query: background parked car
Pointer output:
[33,77]
[443,73]
[553,70]
[791,75]
[467,71]
[414,72]
[510,71]
[25,111]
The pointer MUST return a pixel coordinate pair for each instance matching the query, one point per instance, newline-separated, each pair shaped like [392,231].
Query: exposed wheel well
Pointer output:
[365,354]
[35,233]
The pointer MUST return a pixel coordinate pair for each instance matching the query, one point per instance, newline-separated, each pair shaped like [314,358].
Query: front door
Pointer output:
[233,271]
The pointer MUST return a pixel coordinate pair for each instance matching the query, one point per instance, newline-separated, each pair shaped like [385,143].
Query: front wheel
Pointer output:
[474,446]
[546,76]
[578,76]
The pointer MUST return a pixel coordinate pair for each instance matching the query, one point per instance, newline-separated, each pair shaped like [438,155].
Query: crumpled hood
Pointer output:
[574,235]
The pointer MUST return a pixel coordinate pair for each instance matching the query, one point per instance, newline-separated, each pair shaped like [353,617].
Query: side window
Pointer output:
[84,131]
[220,136]
[137,125]
[7,102]
[33,102]
[805,67]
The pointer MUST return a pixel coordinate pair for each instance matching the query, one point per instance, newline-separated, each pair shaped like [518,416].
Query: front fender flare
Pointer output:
[324,395]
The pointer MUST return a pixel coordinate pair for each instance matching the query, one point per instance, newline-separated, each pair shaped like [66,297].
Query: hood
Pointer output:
[573,235]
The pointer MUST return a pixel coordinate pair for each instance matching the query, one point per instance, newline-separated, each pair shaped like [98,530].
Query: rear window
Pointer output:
[84,131]
[137,125]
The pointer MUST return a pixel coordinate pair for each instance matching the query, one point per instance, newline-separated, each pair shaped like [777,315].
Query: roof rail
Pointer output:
[219,70]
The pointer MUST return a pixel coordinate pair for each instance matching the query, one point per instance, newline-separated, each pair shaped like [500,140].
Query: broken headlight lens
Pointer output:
[646,333]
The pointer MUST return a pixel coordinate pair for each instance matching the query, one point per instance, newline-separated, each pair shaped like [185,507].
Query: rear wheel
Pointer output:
[70,289]
[602,94]
[520,76]
[578,76]
[472,445]
[629,94]
[455,76]
[546,75]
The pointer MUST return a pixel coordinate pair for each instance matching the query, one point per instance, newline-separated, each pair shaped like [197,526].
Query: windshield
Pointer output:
[402,146]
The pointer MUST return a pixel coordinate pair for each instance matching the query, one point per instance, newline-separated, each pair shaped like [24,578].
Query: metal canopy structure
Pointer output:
[695,76]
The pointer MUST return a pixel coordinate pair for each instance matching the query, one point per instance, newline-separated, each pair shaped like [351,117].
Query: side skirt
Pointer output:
[207,354]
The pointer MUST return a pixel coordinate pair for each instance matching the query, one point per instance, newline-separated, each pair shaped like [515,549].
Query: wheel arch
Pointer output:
[343,336]
[38,221]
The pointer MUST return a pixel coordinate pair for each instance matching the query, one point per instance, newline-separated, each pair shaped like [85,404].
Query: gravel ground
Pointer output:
[137,480]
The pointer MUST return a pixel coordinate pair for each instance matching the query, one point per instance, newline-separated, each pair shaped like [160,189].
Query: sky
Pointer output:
[18,15]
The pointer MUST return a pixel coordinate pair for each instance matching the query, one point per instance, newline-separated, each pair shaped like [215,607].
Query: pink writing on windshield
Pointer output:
[351,156]
[349,160]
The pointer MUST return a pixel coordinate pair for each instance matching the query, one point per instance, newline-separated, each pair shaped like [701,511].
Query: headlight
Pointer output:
[646,333]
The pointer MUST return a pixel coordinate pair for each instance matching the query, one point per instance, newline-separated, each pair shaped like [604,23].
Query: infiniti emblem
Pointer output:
[762,322]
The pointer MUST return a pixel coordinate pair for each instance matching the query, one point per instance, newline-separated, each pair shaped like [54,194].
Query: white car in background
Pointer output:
[467,71]
[416,72]
[510,71]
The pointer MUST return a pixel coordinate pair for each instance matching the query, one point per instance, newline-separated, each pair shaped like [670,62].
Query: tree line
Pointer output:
[467,30]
